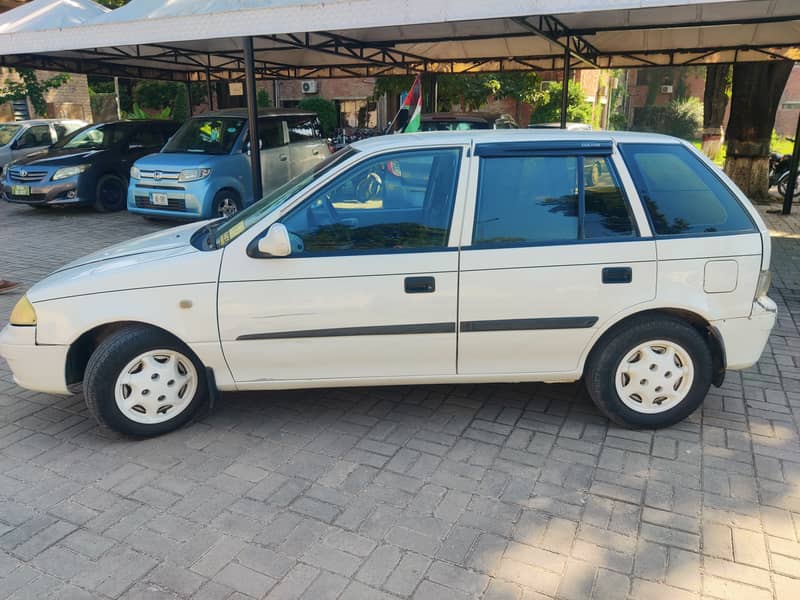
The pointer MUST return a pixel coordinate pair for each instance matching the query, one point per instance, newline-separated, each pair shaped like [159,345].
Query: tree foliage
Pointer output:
[29,86]
[328,117]
[262,98]
[549,109]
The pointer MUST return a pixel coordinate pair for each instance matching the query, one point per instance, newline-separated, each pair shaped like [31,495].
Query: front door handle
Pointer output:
[283,157]
[420,285]
[617,275]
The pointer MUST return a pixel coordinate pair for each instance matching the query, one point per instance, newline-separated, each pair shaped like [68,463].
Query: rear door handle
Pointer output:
[283,157]
[617,275]
[420,285]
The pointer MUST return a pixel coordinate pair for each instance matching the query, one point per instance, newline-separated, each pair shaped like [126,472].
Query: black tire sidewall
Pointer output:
[108,360]
[220,196]
[99,203]
[602,369]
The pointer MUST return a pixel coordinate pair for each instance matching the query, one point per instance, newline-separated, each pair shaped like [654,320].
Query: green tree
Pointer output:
[180,105]
[328,117]
[29,86]
[549,110]
[262,98]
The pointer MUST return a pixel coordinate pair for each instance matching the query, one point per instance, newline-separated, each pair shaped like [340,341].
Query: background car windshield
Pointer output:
[206,136]
[453,125]
[241,222]
[7,133]
[101,136]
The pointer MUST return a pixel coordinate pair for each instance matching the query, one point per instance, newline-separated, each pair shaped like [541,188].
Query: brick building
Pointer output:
[789,107]
[351,96]
[70,101]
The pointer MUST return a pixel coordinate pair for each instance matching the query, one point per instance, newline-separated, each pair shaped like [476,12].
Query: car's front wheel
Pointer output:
[110,195]
[142,382]
[226,204]
[652,373]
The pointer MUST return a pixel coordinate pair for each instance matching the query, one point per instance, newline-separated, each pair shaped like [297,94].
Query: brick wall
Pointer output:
[331,89]
[71,100]
[786,118]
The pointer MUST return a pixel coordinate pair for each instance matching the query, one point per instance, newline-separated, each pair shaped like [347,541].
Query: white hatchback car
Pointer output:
[497,256]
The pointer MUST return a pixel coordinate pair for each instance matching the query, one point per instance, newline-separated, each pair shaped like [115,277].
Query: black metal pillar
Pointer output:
[189,94]
[565,85]
[252,115]
[791,184]
[209,89]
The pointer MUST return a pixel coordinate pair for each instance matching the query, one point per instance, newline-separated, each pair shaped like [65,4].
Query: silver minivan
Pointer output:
[20,138]
[204,169]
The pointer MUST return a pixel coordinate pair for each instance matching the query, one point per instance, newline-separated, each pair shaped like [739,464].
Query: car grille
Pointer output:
[26,175]
[156,175]
[173,203]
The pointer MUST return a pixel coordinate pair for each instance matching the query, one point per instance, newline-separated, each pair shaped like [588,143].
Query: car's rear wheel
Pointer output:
[651,373]
[142,382]
[226,204]
[110,195]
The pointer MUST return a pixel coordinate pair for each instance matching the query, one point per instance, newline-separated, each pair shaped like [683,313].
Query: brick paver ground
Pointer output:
[445,492]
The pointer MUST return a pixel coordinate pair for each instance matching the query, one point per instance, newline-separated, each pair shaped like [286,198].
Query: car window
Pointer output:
[63,129]
[303,128]
[212,135]
[526,200]
[105,135]
[680,193]
[607,212]
[393,202]
[148,136]
[7,132]
[38,135]
[270,133]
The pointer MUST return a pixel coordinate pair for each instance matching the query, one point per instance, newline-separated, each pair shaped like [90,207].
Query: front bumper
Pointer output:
[46,193]
[35,367]
[183,201]
[744,339]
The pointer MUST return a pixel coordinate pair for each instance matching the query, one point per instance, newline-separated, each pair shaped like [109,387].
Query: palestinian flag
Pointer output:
[411,112]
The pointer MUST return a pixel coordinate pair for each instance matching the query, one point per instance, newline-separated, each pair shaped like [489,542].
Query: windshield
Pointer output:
[453,125]
[7,133]
[206,136]
[107,135]
[241,222]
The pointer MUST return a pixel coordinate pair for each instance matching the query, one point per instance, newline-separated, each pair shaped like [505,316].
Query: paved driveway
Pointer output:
[447,492]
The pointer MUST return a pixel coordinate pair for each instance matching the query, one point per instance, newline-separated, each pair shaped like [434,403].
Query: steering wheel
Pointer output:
[369,187]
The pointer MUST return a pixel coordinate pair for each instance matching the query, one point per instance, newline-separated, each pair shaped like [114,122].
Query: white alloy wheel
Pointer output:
[156,386]
[654,377]
[227,207]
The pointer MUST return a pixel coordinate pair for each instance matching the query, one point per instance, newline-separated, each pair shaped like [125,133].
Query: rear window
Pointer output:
[681,194]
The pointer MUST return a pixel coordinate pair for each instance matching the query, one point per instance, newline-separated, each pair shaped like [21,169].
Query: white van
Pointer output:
[500,256]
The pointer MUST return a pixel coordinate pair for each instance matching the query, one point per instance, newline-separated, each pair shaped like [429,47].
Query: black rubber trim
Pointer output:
[529,324]
[552,148]
[415,328]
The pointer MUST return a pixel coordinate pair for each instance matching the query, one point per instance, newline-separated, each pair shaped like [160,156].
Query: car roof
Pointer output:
[449,138]
[489,117]
[262,112]
[42,121]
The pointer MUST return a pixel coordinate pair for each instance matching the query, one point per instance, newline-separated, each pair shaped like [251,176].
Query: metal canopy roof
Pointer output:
[183,39]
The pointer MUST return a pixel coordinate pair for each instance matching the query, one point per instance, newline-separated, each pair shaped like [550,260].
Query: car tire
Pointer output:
[226,204]
[142,382]
[651,373]
[110,194]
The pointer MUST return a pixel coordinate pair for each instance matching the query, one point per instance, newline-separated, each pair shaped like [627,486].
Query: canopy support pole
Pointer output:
[565,85]
[188,84]
[252,116]
[792,183]
[209,89]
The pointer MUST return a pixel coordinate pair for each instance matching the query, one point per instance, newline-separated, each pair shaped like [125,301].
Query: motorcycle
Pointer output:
[779,165]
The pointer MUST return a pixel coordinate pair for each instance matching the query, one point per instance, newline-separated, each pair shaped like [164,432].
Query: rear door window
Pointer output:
[530,200]
[682,195]
[303,128]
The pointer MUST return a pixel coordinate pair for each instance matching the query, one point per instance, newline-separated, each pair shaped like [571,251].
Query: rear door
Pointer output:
[552,250]
[306,144]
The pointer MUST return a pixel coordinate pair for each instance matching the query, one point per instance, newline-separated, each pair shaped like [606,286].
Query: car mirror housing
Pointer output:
[276,242]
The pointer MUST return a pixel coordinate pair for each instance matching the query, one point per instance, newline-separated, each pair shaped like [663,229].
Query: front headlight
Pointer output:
[193,174]
[135,174]
[69,172]
[23,314]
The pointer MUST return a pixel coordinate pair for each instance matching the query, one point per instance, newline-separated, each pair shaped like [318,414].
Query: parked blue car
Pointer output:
[204,170]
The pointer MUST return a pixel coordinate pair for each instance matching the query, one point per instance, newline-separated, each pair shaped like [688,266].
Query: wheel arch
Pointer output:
[709,333]
[82,348]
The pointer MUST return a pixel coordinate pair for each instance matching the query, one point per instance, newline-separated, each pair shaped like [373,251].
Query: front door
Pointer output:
[552,251]
[370,289]
[275,156]
[34,139]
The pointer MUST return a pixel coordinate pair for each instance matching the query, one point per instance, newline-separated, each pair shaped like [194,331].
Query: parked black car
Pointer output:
[91,166]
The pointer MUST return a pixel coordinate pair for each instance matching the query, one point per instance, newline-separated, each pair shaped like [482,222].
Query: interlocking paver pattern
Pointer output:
[490,491]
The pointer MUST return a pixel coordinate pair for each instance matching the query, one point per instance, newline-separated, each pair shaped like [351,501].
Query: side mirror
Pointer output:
[276,242]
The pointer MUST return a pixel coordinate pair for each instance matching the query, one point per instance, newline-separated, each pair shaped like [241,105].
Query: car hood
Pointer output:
[59,157]
[175,161]
[161,258]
